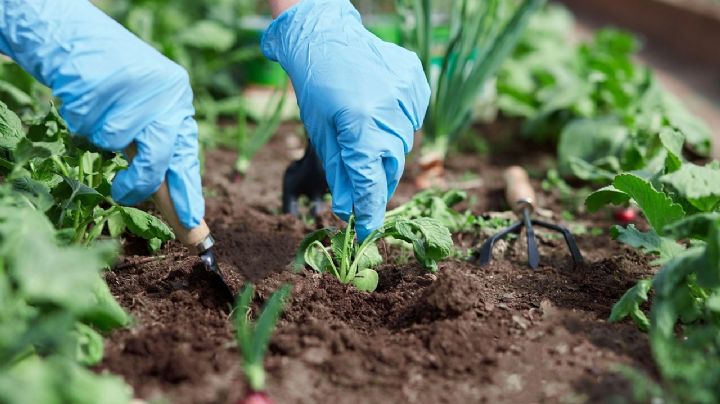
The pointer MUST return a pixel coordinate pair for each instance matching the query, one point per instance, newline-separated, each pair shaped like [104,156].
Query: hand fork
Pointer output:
[521,197]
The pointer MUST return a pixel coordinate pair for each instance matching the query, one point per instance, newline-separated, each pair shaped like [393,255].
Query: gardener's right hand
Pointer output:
[115,90]
[361,100]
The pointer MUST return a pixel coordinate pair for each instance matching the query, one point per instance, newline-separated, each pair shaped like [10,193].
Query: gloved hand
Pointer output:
[115,89]
[361,100]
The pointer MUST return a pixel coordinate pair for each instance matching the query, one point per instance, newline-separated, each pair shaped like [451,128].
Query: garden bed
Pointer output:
[496,334]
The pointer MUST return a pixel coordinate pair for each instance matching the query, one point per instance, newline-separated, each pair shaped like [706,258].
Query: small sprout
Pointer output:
[253,337]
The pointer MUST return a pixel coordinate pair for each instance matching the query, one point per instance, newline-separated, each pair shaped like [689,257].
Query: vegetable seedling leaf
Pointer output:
[629,305]
[366,280]
[657,207]
[700,185]
[649,242]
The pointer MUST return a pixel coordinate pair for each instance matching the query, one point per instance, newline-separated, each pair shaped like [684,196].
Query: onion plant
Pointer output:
[481,36]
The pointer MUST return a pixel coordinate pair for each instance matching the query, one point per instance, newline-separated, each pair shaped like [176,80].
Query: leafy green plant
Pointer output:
[57,174]
[53,304]
[611,114]
[355,264]
[435,204]
[253,337]
[482,35]
[681,206]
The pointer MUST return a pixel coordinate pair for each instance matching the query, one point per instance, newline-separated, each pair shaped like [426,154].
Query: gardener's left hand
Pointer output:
[361,100]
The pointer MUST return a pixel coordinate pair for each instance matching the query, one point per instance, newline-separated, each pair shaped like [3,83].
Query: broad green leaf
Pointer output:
[657,207]
[32,380]
[366,280]
[370,257]
[116,224]
[46,273]
[36,193]
[17,97]
[431,240]
[318,258]
[25,150]
[587,140]
[648,242]
[696,226]
[83,386]
[145,225]
[317,235]
[673,141]
[154,245]
[629,305]
[700,185]
[90,345]
[605,196]
[675,271]
[11,130]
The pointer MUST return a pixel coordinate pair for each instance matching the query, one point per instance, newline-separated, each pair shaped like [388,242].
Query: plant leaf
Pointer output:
[629,305]
[145,225]
[317,235]
[700,185]
[90,345]
[11,131]
[317,257]
[431,240]
[696,226]
[116,224]
[366,280]
[605,196]
[369,258]
[673,141]
[658,208]
[648,242]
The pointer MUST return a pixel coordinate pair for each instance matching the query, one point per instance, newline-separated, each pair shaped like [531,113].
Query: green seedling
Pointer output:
[435,204]
[253,338]
[355,264]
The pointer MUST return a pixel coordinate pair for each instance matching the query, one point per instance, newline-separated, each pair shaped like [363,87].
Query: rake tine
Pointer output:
[533,254]
[569,239]
[485,252]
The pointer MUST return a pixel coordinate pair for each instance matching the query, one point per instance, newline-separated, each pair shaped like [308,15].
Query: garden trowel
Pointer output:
[198,240]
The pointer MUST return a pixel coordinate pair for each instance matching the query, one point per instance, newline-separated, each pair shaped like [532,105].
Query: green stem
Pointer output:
[255,375]
[434,147]
[60,165]
[371,239]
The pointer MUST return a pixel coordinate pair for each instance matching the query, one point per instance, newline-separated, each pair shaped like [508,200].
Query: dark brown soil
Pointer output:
[466,334]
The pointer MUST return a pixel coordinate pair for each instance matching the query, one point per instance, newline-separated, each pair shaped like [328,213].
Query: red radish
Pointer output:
[255,398]
[625,215]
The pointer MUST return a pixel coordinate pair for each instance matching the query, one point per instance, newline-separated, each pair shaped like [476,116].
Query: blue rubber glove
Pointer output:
[115,89]
[361,100]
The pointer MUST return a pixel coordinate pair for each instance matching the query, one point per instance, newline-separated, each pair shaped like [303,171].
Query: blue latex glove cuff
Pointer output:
[361,100]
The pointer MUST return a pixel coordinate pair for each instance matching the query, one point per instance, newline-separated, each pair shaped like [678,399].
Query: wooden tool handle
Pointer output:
[518,191]
[191,238]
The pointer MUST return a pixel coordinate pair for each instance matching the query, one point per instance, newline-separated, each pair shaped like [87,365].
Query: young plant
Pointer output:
[55,173]
[435,204]
[482,36]
[355,264]
[681,205]
[253,339]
